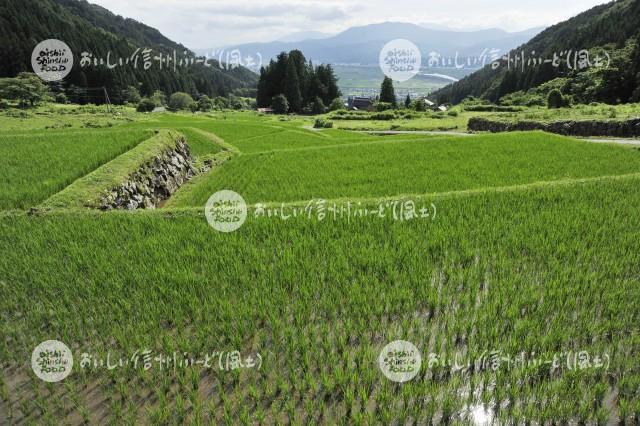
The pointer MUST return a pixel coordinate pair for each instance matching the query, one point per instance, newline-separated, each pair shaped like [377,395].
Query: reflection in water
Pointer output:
[479,415]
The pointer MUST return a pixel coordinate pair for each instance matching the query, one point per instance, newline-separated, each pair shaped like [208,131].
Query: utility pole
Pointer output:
[106,96]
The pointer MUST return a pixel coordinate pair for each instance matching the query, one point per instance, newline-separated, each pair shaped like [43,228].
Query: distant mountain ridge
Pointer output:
[361,45]
[92,28]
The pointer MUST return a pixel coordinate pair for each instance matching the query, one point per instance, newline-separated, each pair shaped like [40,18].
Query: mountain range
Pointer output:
[361,45]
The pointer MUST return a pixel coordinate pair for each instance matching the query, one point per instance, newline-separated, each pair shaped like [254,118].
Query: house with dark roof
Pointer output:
[359,103]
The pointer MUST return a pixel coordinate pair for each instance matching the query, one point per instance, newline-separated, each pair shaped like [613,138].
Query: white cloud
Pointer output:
[211,23]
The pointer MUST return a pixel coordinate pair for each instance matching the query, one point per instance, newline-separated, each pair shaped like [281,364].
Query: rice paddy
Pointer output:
[34,166]
[532,261]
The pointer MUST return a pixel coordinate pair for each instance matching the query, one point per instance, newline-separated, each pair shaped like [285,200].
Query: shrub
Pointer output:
[337,105]
[279,104]
[521,98]
[146,105]
[180,101]
[492,108]
[387,115]
[321,123]
[472,100]
[407,114]
[61,98]
[555,99]
[420,105]
[535,100]
[383,106]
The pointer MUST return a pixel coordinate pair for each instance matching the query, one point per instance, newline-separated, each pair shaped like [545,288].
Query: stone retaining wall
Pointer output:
[155,181]
[616,129]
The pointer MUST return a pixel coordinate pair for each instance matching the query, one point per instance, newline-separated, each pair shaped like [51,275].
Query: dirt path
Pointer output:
[629,141]
[618,141]
[414,132]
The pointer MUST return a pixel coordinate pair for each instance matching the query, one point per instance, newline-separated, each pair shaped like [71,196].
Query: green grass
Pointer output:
[391,167]
[63,117]
[200,144]
[34,166]
[544,271]
[86,191]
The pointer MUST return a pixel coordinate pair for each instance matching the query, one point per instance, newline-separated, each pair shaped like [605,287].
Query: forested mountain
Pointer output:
[91,28]
[612,29]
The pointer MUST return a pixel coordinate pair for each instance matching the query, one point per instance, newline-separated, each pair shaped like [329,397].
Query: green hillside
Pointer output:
[612,28]
[87,27]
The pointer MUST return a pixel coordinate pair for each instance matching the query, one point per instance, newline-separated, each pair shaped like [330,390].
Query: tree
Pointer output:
[387,93]
[280,71]
[262,98]
[205,103]
[220,102]
[146,105]
[317,106]
[555,99]
[420,105]
[407,101]
[336,105]
[298,80]
[292,86]
[235,102]
[328,83]
[130,95]
[27,88]
[280,104]
[179,101]
[159,98]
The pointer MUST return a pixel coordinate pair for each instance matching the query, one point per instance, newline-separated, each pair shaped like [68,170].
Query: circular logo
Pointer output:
[400,59]
[52,60]
[52,361]
[226,211]
[400,361]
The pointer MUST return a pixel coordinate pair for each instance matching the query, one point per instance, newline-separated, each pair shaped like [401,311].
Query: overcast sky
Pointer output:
[217,23]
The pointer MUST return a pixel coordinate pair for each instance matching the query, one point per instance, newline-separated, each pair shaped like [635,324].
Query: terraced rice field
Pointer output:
[34,166]
[534,253]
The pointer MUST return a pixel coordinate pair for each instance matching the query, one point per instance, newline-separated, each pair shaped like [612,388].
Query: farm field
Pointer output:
[390,166]
[34,166]
[534,252]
